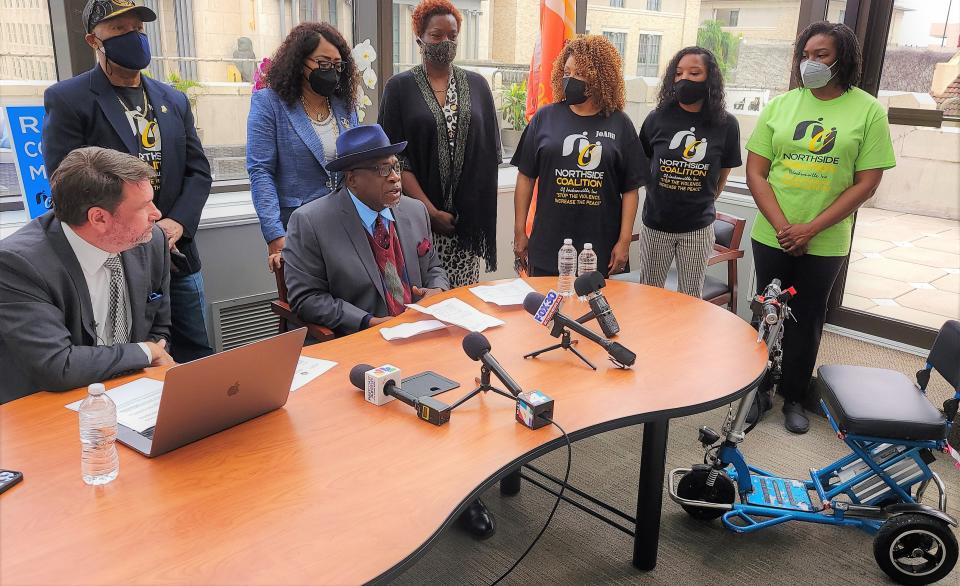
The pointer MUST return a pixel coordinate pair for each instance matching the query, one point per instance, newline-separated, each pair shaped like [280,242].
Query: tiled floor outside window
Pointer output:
[905,267]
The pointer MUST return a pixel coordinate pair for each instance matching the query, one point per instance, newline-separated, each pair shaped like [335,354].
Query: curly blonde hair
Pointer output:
[599,65]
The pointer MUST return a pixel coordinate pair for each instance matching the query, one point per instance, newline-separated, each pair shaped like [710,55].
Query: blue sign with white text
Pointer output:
[26,123]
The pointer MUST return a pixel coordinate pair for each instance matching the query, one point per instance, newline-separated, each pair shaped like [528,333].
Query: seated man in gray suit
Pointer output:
[84,289]
[356,257]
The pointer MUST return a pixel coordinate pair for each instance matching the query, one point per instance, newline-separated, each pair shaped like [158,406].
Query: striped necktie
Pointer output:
[118,303]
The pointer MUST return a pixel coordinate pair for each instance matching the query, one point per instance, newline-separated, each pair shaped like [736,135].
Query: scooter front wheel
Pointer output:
[693,486]
[915,549]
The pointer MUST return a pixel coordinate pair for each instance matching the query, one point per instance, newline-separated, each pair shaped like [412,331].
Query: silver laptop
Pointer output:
[208,395]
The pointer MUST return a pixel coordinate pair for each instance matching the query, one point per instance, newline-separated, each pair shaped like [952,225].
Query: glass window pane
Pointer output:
[648,59]
[752,40]
[618,39]
[905,259]
[26,58]
[211,50]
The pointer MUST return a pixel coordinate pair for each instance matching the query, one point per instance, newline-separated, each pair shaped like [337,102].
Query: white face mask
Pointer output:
[814,74]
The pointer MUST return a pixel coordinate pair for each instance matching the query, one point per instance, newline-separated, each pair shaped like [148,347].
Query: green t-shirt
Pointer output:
[815,147]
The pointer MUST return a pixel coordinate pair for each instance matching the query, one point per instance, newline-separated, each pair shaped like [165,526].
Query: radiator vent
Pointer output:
[244,320]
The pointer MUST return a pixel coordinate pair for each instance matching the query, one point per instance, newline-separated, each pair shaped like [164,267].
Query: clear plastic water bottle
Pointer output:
[587,261]
[99,462]
[567,265]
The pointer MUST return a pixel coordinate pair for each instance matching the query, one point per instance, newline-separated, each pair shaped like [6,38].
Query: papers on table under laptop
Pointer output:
[138,401]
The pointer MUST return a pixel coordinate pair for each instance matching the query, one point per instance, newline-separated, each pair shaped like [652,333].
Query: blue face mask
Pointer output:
[130,50]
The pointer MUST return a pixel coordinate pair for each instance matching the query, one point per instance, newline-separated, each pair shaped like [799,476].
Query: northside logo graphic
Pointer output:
[821,140]
[694,150]
[588,153]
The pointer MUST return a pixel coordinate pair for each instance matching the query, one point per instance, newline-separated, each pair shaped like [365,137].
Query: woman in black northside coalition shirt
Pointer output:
[692,143]
[585,156]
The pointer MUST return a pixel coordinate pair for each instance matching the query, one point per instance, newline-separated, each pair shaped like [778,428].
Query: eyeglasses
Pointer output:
[384,169]
[328,65]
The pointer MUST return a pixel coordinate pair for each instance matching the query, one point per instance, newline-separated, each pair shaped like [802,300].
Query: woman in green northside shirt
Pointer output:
[817,154]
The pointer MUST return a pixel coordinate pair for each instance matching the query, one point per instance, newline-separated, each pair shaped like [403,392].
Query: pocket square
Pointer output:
[424,247]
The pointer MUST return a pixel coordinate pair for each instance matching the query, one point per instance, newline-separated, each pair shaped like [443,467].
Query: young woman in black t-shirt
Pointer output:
[584,154]
[692,143]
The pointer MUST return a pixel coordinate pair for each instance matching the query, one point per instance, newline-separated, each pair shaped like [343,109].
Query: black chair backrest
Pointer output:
[724,232]
[945,354]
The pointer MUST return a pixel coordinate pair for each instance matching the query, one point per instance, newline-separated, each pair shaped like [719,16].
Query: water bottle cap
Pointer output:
[587,246]
[568,241]
[96,389]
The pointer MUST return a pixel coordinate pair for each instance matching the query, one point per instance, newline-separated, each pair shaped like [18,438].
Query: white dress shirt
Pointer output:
[97,276]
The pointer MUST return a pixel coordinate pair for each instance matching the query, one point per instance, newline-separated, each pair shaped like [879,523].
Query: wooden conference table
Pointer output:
[334,490]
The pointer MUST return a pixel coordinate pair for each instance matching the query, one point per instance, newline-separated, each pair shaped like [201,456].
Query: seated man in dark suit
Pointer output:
[357,256]
[84,290]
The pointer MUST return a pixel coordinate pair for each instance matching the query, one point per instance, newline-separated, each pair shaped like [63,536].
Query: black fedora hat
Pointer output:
[362,143]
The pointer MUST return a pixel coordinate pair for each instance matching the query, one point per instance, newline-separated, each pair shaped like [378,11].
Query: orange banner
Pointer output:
[557,24]
[558,21]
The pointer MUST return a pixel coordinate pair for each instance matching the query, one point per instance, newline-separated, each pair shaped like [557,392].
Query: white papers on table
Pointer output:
[458,313]
[309,369]
[510,293]
[137,403]
[411,329]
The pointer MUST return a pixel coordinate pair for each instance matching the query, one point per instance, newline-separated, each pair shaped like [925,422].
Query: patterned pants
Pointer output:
[690,249]
[462,266]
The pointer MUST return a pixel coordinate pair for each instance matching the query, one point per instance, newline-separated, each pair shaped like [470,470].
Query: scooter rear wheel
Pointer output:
[915,549]
[693,486]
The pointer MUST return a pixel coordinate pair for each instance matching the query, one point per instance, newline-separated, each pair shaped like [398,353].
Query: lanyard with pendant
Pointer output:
[136,114]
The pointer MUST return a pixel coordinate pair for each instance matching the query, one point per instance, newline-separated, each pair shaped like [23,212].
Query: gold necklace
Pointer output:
[318,117]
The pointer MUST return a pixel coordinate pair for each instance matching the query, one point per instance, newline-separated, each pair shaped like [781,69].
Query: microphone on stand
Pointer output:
[544,310]
[534,409]
[590,285]
[382,385]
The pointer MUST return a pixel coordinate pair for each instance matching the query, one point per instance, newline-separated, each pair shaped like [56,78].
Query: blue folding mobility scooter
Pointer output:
[892,431]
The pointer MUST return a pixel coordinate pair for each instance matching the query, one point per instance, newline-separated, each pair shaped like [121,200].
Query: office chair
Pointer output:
[281,308]
[729,232]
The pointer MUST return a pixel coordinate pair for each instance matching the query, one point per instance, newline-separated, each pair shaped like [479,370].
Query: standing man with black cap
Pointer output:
[114,106]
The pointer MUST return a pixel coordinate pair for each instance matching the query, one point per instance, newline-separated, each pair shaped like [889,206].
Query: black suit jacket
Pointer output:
[85,111]
[47,333]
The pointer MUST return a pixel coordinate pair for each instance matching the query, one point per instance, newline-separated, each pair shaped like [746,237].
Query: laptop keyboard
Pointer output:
[148,433]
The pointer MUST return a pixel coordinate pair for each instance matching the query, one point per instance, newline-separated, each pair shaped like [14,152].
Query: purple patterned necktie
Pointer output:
[380,233]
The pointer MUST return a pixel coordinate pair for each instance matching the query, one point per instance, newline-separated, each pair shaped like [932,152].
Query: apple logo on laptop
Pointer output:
[234,389]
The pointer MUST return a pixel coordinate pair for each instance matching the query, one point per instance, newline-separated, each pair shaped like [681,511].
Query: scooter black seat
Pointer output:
[879,403]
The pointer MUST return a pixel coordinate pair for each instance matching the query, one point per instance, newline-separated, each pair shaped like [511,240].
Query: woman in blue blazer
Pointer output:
[294,123]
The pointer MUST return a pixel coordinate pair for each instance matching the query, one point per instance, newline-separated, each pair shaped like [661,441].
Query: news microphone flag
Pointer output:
[548,308]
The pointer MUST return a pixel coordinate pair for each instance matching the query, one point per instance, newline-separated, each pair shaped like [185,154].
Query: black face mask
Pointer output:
[323,82]
[574,91]
[689,91]
[442,53]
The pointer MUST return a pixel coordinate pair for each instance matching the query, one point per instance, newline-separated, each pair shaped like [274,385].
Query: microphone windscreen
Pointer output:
[358,375]
[531,303]
[621,354]
[588,283]
[475,345]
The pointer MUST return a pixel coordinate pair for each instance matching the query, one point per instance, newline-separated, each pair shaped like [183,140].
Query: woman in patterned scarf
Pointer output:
[447,116]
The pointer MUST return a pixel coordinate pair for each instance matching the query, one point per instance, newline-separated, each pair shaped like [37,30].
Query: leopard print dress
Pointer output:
[462,266]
